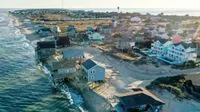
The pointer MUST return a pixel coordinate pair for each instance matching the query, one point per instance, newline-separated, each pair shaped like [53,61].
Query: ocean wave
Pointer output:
[21,84]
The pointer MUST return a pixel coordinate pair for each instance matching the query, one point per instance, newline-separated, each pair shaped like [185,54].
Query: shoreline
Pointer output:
[87,95]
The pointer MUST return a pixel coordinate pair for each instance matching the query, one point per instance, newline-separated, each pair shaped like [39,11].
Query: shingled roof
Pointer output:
[138,98]
[63,41]
[89,64]
[46,44]
[63,64]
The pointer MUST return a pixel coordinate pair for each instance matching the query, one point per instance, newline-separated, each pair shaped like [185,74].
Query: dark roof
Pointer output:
[163,41]
[89,64]
[46,44]
[45,29]
[138,98]
[63,41]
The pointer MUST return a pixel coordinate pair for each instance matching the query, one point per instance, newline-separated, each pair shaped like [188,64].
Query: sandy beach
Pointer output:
[27,30]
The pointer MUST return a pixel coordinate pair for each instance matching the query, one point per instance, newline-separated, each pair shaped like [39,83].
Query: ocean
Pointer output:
[23,87]
[153,11]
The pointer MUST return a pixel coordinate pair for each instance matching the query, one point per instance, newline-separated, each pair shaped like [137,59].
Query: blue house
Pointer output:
[94,71]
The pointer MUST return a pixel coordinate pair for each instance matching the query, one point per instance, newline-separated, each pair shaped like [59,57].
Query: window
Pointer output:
[92,71]
[92,77]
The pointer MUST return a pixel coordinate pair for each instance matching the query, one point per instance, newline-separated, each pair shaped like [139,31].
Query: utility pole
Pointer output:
[118,8]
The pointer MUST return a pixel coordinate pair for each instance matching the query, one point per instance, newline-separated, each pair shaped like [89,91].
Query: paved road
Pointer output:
[128,72]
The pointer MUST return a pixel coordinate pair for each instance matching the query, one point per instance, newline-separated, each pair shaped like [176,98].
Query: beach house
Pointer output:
[96,38]
[125,44]
[83,37]
[71,31]
[44,32]
[158,32]
[90,30]
[173,53]
[61,69]
[106,29]
[136,19]
[73,53]
[45,49]
[62,41]
[139,100]
[94,72]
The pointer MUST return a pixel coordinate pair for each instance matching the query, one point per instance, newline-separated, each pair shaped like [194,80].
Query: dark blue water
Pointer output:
[23,87]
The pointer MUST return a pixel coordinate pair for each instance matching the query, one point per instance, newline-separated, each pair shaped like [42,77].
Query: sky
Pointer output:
[180,4]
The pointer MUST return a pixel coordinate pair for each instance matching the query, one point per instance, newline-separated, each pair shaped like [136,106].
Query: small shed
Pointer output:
[94,71]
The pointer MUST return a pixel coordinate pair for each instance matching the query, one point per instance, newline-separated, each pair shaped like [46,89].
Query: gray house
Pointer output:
[62,69]
[94,72]
[73,53]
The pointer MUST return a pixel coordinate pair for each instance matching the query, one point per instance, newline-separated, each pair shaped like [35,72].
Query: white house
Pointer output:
[174,53]
[94,71]
[136,19]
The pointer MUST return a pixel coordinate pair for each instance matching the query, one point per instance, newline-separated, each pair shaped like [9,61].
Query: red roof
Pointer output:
[176,39]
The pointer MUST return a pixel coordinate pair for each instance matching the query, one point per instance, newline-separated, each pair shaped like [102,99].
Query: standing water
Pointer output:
[22,86]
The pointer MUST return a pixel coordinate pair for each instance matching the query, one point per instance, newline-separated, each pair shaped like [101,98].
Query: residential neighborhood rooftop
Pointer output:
[63,64]
[46,44]
[137,98]
[89,64]
[63,40]
[73,53]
